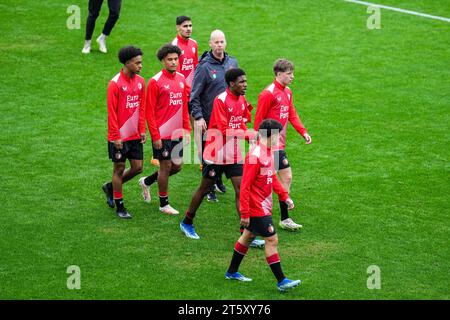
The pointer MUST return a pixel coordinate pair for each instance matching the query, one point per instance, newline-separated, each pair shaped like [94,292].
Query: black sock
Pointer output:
[238,254]
[276,269]
[284,210]
[151,179]
[163,201]
[189,217]
[119,204]
[109,187]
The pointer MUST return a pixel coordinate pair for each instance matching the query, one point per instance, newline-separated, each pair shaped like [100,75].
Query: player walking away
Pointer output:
[94,11]
[222,153]
[258,181]
[275,102]
[126,126]
[208,83]
[168,122]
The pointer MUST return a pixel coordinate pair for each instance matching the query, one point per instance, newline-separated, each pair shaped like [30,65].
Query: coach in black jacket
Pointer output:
[208,83]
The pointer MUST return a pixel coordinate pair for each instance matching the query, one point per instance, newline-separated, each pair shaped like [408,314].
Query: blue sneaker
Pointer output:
[189,230]
[236,276]
[257,243]
[287,284]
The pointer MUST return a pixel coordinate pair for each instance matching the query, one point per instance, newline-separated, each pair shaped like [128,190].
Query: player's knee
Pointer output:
[114,16]
[119,168]
[272,241]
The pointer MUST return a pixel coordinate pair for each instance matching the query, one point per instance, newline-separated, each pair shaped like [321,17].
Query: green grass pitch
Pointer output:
[372,189]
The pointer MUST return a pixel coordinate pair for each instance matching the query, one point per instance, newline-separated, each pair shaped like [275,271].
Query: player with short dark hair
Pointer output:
[168,122]
[258,182]
[222,153]
[276,102]
[126,125]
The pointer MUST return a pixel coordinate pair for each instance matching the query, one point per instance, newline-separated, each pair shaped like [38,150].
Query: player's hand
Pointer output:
[245,222]
[201,124]
[118,144]
[157,144]
[307,138]
[290,204]
[143,138]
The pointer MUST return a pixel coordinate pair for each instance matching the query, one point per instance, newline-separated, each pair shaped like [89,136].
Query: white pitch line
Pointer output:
[400,10]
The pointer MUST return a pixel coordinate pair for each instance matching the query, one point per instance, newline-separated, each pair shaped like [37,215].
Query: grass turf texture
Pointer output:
[372,189]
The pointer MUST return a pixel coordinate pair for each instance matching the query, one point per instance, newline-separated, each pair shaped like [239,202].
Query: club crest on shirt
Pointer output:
[243,107]
[289,96]
[270,229]
[279,98]
[213,73]
[139,86]
[181,85]
[193,50]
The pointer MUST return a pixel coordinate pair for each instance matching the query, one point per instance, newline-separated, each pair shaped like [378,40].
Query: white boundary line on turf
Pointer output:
[400,10]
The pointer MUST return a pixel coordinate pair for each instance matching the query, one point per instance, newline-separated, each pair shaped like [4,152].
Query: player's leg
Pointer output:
[146,182]
[236,182]
[273,258]
[240,250]
[113,16]
[119,168]
[94,11]
[134,170]
[285,178]
[187,224]
[163,187]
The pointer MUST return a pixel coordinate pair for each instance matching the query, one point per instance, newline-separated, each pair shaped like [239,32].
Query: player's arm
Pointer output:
[152,98]
[251,169]
[294,119]
[141,125]
[112,99]
[262,108]
[283,195]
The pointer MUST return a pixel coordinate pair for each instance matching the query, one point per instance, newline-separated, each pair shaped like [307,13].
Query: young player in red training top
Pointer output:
[275,102]
[222,153]
[188,59]
[168,122]
[126,125]
[258,182]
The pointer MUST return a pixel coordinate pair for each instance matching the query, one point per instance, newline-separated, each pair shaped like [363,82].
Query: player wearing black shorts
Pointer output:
[126,94]
[221,153]
[258,182]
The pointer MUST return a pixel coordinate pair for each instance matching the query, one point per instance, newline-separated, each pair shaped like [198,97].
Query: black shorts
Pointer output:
[281,160]
[171,149]
[211,171]
[131,149]
[262,226]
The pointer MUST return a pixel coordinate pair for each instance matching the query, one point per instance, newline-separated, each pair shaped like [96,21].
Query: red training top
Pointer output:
[275,102]
[126,107]
[189,57]
[226,126]
[258,181]
[167,106]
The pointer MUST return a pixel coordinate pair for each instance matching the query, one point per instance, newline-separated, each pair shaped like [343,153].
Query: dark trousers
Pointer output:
[94,11]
